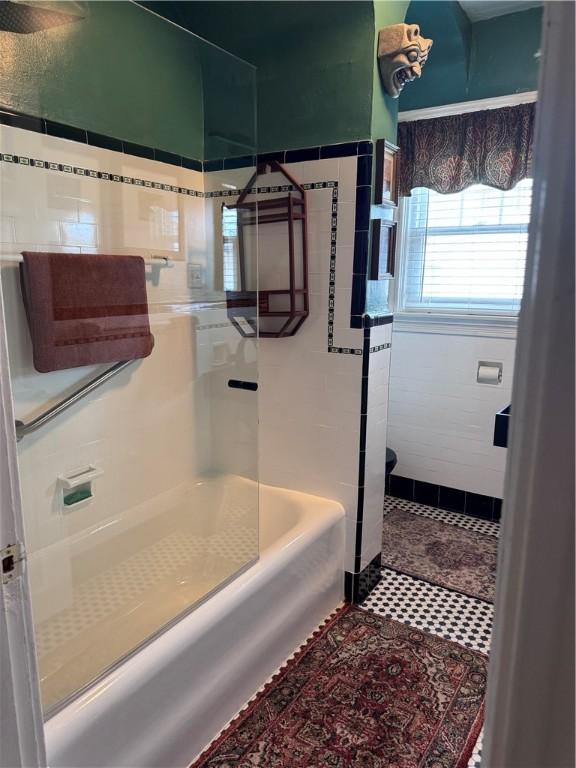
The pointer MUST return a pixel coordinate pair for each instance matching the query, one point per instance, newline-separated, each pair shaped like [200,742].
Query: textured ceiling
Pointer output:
[477,10]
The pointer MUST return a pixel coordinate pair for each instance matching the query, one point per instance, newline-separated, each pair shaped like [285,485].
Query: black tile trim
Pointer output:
[138,150]
[301,155]
[358,585]
[363,199]
[268,157]
[73,133]
[320,152]
[365,148]
[19,120]
[364,171]
[83,136]
[361,238]
[213,165]
[370,322]
[167,157]
[246,161]
[105,142]
[445,497]
[362,445]
[348,149]
[426,493]
[360,266]
[358,300]
[191,164]
[62,131]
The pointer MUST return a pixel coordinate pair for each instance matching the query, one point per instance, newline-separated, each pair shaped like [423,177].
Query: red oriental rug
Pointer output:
[441,553]
[364,692]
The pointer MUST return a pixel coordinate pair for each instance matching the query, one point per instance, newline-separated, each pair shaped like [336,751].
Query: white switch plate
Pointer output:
[196,276]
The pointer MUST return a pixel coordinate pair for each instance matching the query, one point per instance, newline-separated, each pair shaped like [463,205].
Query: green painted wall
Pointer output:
[488,58]
[384,109]
[314,59]
[503,57]
[119,70]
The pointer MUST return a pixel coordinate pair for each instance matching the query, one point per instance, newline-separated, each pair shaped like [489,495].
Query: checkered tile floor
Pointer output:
[432,608]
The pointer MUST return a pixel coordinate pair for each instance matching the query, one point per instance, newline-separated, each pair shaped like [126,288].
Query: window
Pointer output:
[230,256]
[465,253]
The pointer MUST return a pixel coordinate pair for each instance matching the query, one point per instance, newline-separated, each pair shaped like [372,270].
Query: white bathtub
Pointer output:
[164,704]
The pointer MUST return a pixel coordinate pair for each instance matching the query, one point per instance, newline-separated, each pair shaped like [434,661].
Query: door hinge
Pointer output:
[11,558]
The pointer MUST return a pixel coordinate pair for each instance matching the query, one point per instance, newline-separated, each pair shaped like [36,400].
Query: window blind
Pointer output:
[229,244]
[466,252]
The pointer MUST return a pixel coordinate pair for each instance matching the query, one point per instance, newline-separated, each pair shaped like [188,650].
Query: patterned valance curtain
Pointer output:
[448,154]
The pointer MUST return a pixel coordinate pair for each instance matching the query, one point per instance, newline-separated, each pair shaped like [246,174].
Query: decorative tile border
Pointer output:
[380,347]
[96,174]
[108,176]
[332,347]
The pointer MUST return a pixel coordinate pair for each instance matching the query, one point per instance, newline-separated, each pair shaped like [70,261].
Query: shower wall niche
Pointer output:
[113,166]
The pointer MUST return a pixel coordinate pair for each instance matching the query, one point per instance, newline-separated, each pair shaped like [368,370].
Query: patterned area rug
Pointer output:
[441,553]
[364,692]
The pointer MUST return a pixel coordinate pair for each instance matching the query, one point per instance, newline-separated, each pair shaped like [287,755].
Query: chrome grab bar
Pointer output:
[23,429]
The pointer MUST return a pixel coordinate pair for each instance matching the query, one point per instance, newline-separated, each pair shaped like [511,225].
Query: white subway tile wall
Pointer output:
[148,429]
[164,423]
[441,421]
[376,436]
[309,399]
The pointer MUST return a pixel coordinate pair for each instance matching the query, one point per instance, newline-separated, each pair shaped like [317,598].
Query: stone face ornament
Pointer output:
[402,52]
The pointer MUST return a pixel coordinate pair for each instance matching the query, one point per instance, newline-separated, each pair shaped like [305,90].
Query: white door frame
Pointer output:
[21,726]
[530,695]
[530,703]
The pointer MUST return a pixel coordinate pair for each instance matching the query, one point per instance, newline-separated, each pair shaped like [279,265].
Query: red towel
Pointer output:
[85,308]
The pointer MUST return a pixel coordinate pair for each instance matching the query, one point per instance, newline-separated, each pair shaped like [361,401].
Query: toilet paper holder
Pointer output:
[489,372]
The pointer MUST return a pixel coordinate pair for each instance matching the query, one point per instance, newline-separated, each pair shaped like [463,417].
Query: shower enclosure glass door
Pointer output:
[140,498]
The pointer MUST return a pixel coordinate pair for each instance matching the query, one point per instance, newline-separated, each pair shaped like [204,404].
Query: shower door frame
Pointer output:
[21,724]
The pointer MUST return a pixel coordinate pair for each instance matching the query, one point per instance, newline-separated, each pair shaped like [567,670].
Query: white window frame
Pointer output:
[437,321]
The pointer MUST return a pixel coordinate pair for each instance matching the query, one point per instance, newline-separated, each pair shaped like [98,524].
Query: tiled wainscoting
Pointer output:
[322,393]
[166,420]
[441,421]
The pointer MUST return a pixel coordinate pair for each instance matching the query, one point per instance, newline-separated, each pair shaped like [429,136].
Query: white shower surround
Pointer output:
[167,702]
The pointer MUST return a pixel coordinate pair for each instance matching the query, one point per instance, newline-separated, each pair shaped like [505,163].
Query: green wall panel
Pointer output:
[489,58]
[503,56]
[384,108]
[314,61]
[118,70]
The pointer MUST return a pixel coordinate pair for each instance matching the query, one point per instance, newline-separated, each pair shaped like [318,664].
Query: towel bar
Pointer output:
[23,429]
[154,261]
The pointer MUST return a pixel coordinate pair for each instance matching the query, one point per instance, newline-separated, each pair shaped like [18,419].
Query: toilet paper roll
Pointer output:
[489,374]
